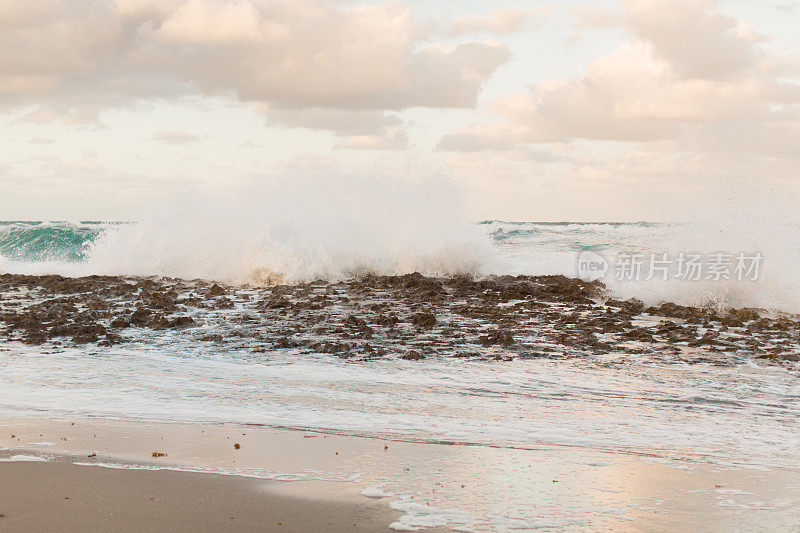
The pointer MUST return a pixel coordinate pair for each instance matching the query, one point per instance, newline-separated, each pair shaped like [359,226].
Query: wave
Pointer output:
[47,241]
[284,232]
[336,228]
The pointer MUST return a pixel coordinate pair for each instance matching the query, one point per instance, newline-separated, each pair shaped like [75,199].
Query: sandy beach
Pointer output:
[101,475]
[103,478]
[39,496]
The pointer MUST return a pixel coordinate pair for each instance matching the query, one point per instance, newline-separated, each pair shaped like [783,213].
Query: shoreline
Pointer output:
[37,496]
[269,479]
[322,482]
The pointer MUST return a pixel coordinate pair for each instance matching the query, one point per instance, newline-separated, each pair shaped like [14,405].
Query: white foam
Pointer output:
[257,473]
[418,516]
[23,458]
[294,231]
[375,492]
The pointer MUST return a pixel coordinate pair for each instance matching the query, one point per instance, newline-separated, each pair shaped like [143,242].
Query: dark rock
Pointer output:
[745,314]
[141,317]
[424,320]
[120,323]
[632,306]
[638,334]
[496,337]
[215,290]
[732,321]
[412,355]
[181,322]
[677,311]
[223,303]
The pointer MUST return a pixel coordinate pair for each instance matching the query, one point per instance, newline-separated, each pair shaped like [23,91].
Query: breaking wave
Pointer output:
[288,232]
[333,229]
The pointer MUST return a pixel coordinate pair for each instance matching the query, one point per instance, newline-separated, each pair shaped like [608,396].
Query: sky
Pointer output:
[569,110]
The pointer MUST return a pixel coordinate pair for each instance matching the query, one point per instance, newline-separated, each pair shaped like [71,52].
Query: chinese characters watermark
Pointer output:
[717,266]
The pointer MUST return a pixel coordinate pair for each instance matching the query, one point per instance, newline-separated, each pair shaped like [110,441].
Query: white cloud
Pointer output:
[591,17]
[688,66]
[204,21]
[501,21]
[340,121]
[74,59]
[389,139]
[696,40]
[175,137]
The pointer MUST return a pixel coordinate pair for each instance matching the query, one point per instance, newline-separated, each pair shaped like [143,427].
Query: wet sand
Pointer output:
[315,482]
[62,496]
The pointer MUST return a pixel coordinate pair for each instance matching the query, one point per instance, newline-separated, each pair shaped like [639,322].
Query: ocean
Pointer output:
[336,366]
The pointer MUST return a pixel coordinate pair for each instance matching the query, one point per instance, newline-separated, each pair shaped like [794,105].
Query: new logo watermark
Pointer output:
[685,266]
[591,266]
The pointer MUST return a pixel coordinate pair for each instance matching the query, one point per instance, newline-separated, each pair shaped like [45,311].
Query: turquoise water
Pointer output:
[48,241]
[39,241]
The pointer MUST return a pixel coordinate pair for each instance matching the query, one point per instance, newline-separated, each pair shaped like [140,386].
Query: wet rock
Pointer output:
[631,306]
[386,320]
[677,311]
[732,321]
[222,303]
[502,338]
[215,290]
[330,347]
[85,339]
[639,334]
[120,323]
[412,355]
[35,337]
[111,339]
[181,322]
[158,322]
[745,314]
[277,302]
[355,322]
[424,320]
[141,317]
[144,318]
[162,301]
[563,317]
[708,339]
[285,342]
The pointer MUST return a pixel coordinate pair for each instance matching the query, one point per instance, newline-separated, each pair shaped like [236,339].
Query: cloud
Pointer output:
[591,17]
[198,21]
[356,129]
[389,139]
[696,40]
[74,59]
[688,69]
[175,137]
[339,121]
[501,21]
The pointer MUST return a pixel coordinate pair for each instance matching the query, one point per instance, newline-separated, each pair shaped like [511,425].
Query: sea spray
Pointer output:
[335,228]
[299,230]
